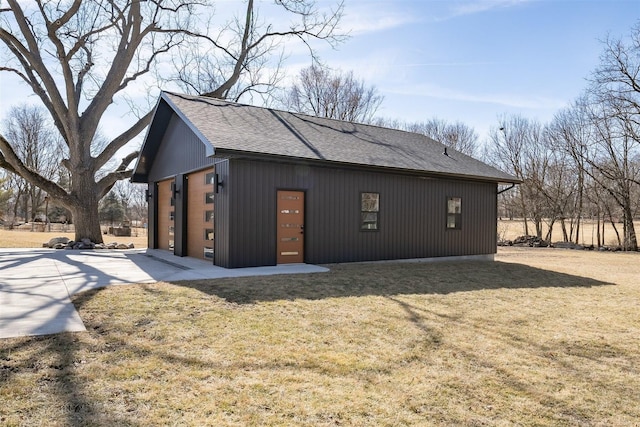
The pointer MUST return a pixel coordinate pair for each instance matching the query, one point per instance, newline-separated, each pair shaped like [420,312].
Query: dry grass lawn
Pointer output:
[542,337]
[35,239]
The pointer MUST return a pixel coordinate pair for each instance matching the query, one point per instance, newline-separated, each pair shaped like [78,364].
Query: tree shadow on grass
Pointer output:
[55,361]
[61,354]
[389,278]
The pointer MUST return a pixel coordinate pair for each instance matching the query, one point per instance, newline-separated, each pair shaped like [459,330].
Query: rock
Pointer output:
[570,245]
[564,245]
[531,241]
[65,243]
[54,241]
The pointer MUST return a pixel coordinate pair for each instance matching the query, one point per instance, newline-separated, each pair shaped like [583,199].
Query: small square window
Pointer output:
[210,178]
[208,197]
[369,211]
[454,213]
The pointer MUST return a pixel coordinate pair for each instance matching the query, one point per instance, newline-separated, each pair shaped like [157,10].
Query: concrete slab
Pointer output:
[36,284]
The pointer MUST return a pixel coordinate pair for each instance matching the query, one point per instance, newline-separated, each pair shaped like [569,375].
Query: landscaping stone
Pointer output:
[58,240]
[65,243]
[531,241]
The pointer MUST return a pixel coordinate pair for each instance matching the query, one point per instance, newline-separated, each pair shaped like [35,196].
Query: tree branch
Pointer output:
[121,172]
[118,142]
[30,60]
[10,161]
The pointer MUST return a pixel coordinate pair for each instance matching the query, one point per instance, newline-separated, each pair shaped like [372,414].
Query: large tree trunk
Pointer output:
[87,222]
[84,208]
[631,242]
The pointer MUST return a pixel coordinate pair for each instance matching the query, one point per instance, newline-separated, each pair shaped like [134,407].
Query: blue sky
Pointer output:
[468,60]
[475,60]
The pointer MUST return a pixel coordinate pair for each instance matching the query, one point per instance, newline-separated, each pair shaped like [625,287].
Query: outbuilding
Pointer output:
[247,186]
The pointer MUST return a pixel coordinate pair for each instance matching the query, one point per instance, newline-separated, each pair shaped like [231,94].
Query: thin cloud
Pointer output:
[526,101]
[449,64]
[372,24]
[479,6]
[369,18]
[471,7]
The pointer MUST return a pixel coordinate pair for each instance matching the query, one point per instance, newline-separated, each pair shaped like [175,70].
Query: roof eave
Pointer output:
[157,126]
[148,149]
[208,146]
[417,172]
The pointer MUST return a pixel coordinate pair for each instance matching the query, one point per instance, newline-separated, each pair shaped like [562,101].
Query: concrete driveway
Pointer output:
[36,284]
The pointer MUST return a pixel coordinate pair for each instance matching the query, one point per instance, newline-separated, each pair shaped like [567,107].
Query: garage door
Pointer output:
[165,215]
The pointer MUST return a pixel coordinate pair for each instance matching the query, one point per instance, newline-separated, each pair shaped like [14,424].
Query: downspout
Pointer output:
[506,189]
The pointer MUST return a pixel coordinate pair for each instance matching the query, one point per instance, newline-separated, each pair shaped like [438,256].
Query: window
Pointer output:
[210,178]
[369,209]
[454,213]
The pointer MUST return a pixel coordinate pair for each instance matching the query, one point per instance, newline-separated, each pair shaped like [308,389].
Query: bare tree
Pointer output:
[333,94]
[6,192]
[78,57]
[569,133]
[614,110]
[614,163]
[518,146]
[600,144]
[36,145]
[616,81]
[456,135]
[139,205]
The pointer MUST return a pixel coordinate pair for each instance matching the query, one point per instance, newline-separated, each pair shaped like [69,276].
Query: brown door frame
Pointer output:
[297,231]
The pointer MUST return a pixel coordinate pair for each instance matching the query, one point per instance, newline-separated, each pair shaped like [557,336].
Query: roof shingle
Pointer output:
[229,126]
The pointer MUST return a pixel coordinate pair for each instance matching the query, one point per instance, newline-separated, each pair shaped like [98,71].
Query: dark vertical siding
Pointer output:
[412,214]
[221,218]
[180,151]
[152,228]
[180,216]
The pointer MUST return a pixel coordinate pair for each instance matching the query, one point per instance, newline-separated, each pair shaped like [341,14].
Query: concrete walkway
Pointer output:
[36,284]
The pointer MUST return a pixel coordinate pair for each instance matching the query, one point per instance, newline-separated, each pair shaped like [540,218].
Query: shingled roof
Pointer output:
[230,128]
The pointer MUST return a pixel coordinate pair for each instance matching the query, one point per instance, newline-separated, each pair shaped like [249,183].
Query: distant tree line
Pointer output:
[585,163]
